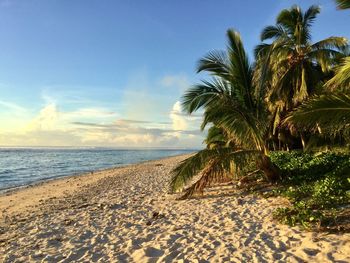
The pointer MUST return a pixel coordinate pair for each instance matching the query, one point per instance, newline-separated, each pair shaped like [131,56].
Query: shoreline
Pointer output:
[126,214]
[58,181]
[45,180]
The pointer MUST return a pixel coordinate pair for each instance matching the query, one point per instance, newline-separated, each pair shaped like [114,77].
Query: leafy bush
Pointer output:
[316,184]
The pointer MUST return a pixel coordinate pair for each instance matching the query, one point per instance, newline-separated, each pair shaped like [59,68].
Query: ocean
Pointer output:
[24,166]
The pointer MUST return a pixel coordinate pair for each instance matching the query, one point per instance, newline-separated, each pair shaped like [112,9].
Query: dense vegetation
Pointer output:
[317,185]
[282,119]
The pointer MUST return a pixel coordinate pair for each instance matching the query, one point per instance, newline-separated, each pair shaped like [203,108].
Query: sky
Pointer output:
[111,73]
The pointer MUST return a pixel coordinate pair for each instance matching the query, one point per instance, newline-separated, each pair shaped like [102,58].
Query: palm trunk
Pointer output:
[303,143]
[271,172]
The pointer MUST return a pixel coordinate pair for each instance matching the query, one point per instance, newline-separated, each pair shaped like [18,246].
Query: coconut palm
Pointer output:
[329,112]
[229,105]
[290,67]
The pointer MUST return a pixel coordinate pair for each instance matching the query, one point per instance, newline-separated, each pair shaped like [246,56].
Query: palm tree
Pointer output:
[229,105]
[343,4]
[330,112]
[290,67]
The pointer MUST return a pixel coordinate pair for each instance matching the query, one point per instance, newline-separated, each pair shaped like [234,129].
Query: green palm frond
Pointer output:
[326,58]
[327,112]
[240,68]
[205,94]
[216,63]
[331,43]
[216,137]
[343,4]
[341,79]
[190,167]
[239,123]
[212,166]
[311,14]
[297,23]
[273,32]
[261,50]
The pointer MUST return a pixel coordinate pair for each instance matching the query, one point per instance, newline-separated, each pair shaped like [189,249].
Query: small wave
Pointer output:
[7,171]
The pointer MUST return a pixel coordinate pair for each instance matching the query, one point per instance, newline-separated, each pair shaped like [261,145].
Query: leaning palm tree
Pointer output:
[229,104]
[290,67]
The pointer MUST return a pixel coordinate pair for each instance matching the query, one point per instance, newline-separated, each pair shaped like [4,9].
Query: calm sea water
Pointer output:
[20,166]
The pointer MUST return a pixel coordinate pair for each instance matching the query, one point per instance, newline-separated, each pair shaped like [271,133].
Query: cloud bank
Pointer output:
[149,116]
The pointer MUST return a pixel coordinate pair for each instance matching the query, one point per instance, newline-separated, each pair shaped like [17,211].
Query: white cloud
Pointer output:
[150,117]
[179,121]
[47,119]
[51,118]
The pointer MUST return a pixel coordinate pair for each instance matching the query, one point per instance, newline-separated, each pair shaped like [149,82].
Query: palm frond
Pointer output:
[273,32]
[311,14]
[261,50]
[213,172]
[343,4]
[341,79]
[288,18]
[191,166]
[326,58]
[211,166]
[325,111]
[204,94]
[240,68]
[215,62]
[240,123]
[216,137]
[331,43]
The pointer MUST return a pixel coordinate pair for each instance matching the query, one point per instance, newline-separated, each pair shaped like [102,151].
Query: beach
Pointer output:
[127,214]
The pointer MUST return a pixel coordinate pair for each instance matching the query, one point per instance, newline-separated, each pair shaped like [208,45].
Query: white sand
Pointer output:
[108,217]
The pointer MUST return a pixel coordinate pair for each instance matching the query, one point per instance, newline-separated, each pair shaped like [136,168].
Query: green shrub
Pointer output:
[315,184]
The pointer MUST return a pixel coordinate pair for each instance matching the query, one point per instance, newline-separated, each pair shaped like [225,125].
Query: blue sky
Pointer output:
[111,73]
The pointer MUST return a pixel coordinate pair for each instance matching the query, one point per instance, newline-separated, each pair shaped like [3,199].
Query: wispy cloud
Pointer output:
[143,122]
[179,82]
[11,106]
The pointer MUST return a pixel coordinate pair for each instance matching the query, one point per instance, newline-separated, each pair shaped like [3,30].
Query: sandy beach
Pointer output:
[127,215]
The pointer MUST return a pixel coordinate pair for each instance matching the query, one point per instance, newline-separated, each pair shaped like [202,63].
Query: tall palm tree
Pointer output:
[229,105]
[330,112]
[290,67]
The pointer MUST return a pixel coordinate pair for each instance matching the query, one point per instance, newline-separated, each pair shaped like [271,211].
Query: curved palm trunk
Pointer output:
[271,171]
